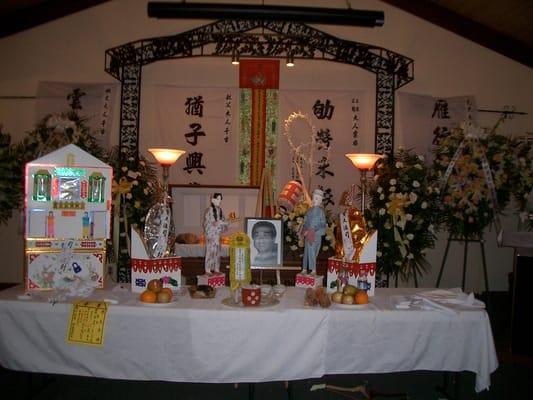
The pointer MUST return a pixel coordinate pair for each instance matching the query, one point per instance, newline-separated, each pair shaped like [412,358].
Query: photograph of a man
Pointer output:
[265,237]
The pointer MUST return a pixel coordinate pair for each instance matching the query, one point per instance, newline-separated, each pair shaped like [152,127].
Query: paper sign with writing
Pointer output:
[87,323]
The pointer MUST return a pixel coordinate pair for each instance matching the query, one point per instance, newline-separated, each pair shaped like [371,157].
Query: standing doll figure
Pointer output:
[314,228]
[214,225]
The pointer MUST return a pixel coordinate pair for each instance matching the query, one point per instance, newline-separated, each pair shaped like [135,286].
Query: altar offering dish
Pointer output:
[143,303]
[317,297]
[266,291]
[350,295]
[156,294]
[351,306]
[202,291]
[230,302]
[279,290]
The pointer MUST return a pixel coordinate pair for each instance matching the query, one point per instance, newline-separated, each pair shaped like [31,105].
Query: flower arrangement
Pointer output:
[292,228]
[51,133]
[402,208]
[490,169]
[58,130]
[135,189]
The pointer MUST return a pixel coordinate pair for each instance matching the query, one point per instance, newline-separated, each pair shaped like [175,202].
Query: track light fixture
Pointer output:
[290,60]
[334,16]
[235,58]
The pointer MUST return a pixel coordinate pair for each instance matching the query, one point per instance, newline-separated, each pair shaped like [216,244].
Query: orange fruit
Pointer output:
[361,297]
[167,290]
[155,285]
[164,297]
[148,296]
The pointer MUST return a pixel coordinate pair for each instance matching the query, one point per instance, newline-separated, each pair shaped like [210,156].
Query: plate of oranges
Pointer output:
[350,298]
[156,295]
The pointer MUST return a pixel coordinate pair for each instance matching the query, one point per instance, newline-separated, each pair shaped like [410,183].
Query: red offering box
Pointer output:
[214,280]
[356,272]
[144,270]
[309,281]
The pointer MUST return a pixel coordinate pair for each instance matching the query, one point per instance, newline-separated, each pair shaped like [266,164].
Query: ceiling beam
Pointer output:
[467,28]
[40,12]
[217,11]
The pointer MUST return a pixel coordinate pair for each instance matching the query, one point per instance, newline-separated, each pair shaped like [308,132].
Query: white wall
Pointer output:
[72,49]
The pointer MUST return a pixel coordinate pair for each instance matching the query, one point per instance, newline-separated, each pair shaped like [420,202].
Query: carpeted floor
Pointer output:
[510,381]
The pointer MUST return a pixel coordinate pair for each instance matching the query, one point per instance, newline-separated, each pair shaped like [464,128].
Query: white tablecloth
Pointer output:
[198,340]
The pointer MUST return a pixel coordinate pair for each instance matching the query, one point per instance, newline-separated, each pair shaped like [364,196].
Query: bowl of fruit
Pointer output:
[350,297]
[157,295]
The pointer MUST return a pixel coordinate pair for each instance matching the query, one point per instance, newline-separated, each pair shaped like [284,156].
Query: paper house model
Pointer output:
[144,268]
[67,218]
[361,275]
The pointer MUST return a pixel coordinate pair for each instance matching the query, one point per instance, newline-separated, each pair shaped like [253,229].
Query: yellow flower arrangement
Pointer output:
[468,205]
[135,189]
[402,208]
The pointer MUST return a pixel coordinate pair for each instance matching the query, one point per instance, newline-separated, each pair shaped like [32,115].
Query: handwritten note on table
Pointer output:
[87,323]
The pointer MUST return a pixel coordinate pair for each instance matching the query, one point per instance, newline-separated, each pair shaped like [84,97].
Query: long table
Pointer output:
[203,340]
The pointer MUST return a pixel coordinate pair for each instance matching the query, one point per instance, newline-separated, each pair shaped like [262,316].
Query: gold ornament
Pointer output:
[358,230]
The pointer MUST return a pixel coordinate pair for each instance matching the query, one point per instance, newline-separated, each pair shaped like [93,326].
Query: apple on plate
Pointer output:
[348,299]
[349,289]
[336,297]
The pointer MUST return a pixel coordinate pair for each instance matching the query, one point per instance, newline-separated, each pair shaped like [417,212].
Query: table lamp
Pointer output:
[363,162]
[166,157]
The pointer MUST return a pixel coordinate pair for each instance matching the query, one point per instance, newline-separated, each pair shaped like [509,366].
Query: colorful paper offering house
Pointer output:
[361,275]
[144,268]
[67,219]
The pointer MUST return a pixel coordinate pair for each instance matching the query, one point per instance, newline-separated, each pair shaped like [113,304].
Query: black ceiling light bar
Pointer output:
[334,16]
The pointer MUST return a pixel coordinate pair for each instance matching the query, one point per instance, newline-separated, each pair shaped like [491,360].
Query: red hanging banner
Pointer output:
[258,75]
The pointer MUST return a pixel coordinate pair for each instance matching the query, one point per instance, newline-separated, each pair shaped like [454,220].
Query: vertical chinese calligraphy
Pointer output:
[194,107]
[227,117]
[440,112]
[355,121]
[324,110]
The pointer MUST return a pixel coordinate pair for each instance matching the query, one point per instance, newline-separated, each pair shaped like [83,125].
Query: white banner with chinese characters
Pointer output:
[342,120]
[204,122]
[94,101]
[423,119]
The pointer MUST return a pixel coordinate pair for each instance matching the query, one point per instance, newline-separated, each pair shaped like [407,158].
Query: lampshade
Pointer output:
[166,156]
[363,161]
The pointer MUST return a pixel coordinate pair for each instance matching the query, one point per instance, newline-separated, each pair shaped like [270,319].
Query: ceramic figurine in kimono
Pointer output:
[214,225]
[314,228]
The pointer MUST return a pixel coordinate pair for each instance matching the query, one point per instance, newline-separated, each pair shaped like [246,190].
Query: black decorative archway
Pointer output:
[250,39]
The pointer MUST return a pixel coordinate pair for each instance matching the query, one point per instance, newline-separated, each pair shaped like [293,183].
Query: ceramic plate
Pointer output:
[229,302]
[351,306]
[143,303]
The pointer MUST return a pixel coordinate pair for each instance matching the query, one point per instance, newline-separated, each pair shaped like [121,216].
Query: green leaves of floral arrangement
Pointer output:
[403,209]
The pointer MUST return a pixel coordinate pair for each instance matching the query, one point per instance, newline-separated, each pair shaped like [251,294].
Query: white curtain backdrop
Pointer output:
[97,104]
[350,128]
[419,116]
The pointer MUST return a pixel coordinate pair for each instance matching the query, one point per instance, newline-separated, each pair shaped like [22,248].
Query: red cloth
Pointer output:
[259,74]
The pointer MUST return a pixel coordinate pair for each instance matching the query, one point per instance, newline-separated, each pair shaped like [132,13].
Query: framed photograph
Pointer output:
[266,234]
